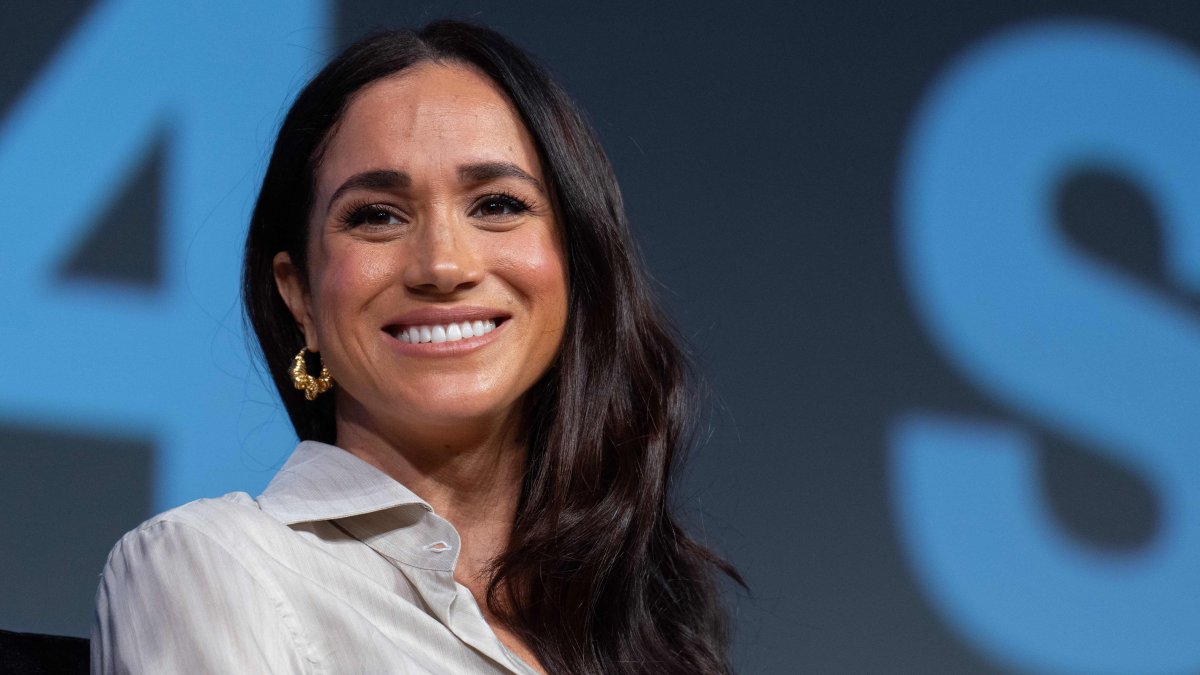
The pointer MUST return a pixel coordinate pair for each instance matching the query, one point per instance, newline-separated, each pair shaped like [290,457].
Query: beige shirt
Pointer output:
[335,568]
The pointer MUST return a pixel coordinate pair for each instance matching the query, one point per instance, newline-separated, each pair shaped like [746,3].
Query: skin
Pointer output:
[444,425]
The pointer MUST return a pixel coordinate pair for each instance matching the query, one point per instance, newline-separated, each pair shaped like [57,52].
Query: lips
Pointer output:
[438,325]
[451,332]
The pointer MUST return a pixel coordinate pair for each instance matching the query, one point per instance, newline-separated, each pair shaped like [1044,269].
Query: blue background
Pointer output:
[939,262]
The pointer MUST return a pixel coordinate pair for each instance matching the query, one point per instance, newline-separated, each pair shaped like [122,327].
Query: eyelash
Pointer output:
[357,214]
[514,202]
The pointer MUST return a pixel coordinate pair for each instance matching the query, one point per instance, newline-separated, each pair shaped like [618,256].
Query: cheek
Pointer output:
[348,278]
[538,270]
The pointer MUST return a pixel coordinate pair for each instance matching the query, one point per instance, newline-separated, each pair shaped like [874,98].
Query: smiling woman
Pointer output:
[429,215]
[487,453]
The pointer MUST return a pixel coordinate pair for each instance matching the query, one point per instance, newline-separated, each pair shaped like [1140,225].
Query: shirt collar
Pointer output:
[324,482]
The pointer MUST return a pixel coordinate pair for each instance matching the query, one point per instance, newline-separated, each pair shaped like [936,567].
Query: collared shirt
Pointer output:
[335,568]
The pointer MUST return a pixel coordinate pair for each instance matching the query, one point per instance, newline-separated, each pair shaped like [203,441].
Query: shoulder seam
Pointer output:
[283,608]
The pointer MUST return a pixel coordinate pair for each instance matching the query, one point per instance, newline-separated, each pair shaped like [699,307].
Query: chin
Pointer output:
[456,412]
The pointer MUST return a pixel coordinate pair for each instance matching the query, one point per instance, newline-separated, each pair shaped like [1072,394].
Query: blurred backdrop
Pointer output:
[939,262]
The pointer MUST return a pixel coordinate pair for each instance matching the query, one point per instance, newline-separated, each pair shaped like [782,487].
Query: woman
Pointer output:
[440,276]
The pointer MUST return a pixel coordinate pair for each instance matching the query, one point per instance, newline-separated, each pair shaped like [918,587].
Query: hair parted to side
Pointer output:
[598,576]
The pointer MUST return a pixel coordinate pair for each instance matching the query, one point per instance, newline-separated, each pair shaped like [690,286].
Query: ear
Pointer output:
[294,289]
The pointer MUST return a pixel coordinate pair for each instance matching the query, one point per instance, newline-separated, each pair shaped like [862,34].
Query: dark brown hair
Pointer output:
[598,577]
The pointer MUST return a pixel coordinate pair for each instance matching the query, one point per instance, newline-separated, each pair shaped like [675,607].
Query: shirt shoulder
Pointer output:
[190,577]
[233,521]
[211,516]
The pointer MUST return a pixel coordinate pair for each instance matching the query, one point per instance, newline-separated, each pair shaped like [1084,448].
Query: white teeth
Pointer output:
[451,332]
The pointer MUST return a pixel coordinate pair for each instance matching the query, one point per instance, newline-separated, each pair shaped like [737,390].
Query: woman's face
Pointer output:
[437,286]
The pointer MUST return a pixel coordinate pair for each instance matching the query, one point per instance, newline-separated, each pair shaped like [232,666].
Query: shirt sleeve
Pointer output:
[173,599]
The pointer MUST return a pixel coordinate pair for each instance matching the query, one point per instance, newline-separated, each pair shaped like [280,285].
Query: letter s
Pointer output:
[1058,337]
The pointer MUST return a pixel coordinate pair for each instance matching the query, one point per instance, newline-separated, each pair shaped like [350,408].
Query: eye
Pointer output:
[372,215]
[499,206]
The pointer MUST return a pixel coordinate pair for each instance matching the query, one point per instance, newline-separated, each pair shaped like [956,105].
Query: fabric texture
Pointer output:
[335,568]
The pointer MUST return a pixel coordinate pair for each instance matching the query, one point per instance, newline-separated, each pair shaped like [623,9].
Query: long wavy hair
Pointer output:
[598,577]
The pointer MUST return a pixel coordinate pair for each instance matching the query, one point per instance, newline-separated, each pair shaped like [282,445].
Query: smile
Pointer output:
[450,332]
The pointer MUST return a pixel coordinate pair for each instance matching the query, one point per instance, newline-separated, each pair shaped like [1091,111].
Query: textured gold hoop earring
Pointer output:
[312,386]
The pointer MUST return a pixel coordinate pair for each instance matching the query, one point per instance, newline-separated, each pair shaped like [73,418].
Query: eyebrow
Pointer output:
[378,179]
[485,171]
[390,179]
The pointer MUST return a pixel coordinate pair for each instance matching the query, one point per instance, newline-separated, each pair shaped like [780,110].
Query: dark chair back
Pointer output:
[34,654]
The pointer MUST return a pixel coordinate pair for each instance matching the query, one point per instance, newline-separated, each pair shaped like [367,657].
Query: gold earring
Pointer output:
[312,386]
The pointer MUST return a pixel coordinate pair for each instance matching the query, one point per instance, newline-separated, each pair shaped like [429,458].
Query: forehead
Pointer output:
[430,118]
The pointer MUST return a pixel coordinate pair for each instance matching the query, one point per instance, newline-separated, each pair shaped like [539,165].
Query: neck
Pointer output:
[470,475]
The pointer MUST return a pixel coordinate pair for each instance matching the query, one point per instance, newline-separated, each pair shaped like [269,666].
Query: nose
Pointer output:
[442,258]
